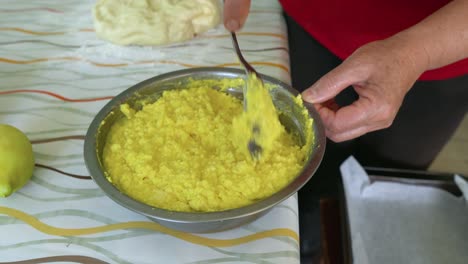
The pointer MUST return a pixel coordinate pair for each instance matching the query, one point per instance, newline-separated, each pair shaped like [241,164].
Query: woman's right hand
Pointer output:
[235,14]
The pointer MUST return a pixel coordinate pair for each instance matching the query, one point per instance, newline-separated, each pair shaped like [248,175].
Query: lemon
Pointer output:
[16,160]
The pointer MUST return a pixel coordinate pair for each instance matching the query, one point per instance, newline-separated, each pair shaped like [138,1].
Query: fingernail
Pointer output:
[233,25]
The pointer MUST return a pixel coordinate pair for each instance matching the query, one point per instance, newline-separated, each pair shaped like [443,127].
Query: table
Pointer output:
[55,76]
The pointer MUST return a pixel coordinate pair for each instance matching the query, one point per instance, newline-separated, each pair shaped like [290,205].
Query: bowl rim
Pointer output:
[97,173]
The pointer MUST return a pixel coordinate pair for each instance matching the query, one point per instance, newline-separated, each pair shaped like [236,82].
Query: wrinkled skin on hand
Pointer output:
[381,73]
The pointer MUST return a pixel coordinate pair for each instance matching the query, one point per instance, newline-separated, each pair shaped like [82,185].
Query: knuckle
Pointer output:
[387,123]
[385,114]
[333,137]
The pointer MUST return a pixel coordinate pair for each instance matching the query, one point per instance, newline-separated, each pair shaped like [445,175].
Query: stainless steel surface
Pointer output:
[254,148]
[151,90]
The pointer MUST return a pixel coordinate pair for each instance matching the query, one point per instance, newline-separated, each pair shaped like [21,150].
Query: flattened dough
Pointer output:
[154,22]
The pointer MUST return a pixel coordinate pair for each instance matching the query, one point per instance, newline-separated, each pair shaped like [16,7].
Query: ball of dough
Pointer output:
[153,22]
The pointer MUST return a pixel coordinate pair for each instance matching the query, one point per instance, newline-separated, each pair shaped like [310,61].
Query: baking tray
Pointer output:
[439,180]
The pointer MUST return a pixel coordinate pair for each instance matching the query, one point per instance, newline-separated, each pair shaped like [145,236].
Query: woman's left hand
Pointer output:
[381,72]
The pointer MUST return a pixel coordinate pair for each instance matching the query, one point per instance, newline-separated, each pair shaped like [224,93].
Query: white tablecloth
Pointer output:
[55,76]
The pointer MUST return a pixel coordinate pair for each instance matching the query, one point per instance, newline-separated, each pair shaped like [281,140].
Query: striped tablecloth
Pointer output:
[55,76]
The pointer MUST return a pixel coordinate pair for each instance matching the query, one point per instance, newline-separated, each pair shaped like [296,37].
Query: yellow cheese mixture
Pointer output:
[181,153]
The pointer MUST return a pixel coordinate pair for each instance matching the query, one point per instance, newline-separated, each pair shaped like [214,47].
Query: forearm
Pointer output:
[440,39]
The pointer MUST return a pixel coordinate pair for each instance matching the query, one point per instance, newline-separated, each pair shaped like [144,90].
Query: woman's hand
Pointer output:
[381,73]
[235,14]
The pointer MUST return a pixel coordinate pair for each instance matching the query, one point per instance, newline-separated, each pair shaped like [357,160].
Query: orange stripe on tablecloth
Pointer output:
[277,65]
[258,34]
[31,32]
[110,65]
[223,65]
[11,61]
[41,33]
[195,239]
[262,63]
[58,96]
[188,65]
[38,60]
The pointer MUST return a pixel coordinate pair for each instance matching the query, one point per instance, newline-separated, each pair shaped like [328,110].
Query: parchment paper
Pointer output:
[401,223]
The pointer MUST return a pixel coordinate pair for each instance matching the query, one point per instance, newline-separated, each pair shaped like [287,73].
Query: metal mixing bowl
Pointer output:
[151,89]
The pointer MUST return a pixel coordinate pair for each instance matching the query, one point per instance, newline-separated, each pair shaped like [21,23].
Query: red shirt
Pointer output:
[343,25]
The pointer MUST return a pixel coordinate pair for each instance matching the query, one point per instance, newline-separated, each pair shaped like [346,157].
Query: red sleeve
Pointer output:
[343,25]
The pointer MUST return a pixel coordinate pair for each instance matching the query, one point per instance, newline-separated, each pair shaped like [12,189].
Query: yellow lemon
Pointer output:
[16,160]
